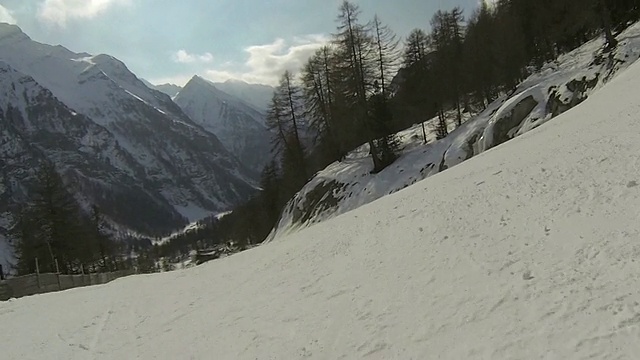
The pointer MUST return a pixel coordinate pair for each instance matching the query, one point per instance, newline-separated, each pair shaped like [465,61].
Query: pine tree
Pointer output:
[285,116]
[415,93]
[387,57]
[51,227]
[277,122]
[26,244]
[356,56]
[270,193]
[320,102]
[291,96]
[104,245]
[479,56]
[605,16]
[416,47]
[447,33]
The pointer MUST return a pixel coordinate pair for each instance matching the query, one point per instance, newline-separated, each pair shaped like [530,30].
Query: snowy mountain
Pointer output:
[527,251]
[559,86]
[238,126]
[256,95]
[169,89]
[118,144]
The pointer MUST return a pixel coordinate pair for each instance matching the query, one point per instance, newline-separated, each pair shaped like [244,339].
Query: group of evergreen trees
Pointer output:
[459,65]
[54,229]
[342,96]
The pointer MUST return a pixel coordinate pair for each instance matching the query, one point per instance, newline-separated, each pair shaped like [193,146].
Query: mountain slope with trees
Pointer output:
[555,88]
[458,69]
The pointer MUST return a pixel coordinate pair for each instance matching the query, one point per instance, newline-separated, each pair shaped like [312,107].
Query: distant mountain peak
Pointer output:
[256,95]
[238,124]
[13,32]
[199,80]
[169,89]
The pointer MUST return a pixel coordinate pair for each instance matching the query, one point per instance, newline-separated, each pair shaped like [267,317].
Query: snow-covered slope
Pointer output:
[238,126]
[344,186]
[256,95]
[527,251]
[121,145]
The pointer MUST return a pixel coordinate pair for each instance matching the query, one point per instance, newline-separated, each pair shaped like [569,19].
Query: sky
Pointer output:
[169,41]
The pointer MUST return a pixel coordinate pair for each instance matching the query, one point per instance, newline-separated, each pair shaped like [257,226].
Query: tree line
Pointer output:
[53,233]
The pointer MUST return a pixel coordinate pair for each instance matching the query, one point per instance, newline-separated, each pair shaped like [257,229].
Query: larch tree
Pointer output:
[51,227]
[286,116]
[355,50]
[320,103]
[387,61]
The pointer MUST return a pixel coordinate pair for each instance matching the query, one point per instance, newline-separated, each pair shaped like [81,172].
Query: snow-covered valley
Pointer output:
[527,250]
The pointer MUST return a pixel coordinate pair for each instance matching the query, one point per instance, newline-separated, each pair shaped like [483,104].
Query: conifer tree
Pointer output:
[51,227]
[387,57]
[320,102]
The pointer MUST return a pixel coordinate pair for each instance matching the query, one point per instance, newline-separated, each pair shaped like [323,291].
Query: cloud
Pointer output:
[183,57]
[6,16]
[58,12]
[266,63]
[490,3]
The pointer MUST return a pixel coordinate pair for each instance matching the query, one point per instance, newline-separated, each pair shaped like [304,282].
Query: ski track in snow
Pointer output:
[529,250]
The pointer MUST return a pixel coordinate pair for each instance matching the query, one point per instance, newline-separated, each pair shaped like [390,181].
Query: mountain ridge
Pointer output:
[140,154]
[238,125]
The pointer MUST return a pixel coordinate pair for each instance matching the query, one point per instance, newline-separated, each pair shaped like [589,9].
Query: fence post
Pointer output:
[1,273]
[38,274]
[58,273]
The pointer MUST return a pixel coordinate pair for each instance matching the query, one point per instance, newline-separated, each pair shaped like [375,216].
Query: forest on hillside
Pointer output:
[364,86]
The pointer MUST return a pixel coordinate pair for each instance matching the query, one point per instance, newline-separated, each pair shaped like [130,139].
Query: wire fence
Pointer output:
[27,285]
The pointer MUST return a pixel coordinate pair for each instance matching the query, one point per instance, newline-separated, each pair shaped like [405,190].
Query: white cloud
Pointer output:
[6,16]
[490,3]
[58,12]
[183,57]
[266,63]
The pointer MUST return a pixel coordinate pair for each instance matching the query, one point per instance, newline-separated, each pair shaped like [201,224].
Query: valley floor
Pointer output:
[529,250]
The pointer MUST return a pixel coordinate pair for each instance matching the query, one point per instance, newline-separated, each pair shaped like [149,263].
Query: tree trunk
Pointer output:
[377,162]
[606,24]
[424,133]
